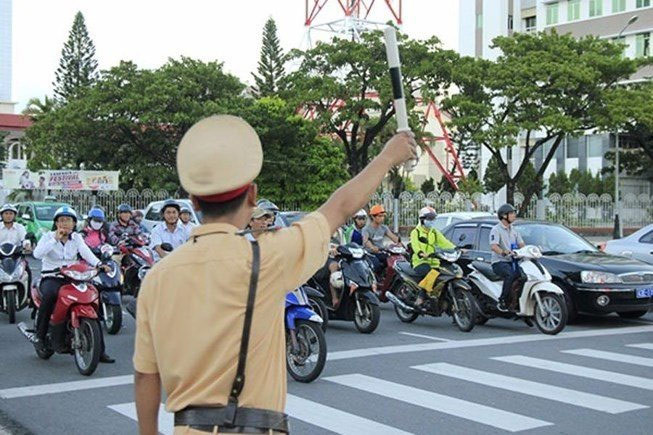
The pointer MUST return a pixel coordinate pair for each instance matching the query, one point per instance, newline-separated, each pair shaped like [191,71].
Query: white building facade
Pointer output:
[5,57]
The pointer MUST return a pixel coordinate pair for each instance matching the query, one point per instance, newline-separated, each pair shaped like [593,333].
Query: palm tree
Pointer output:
[36,108]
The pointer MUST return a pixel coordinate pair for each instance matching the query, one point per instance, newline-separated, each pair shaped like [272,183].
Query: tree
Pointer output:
[77,67]
[427,186]
[36,107]
[530,180]
[471,184]
[346,85]
[269,80]
[493,179]
[559,183]
[541,88]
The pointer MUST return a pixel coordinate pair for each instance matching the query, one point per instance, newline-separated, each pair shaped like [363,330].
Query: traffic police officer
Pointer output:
[210,323]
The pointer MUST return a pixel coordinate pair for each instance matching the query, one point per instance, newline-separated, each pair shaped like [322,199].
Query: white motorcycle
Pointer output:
[540,300]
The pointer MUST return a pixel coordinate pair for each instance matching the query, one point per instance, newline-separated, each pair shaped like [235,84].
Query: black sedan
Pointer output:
[593,281]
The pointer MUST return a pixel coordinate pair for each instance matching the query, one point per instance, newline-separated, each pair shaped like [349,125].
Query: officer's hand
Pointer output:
[401,148]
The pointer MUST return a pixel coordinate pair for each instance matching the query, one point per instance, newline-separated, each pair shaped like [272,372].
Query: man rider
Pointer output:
[373,234]
[184,219]
[137,216]
[424,239]
[169,231]
[124,225]
[504,239]
[11,231]
[268,205]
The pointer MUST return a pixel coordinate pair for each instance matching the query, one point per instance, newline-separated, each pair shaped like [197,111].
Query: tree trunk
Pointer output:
[510,191]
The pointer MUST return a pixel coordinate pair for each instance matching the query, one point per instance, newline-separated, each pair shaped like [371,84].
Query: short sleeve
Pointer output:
[144,356]
[494,237]
[301,249]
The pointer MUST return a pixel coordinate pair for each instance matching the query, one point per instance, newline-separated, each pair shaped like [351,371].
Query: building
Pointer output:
[483,20]
[6,105]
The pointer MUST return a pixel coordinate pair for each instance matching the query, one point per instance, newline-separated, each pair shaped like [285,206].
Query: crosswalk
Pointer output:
[488,415]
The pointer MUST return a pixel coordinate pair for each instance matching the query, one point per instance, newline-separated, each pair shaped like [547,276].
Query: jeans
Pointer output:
[379,261]
[506,271]
[49,292]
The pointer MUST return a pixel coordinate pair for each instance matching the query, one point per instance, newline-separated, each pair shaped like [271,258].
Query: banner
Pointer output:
[60,180]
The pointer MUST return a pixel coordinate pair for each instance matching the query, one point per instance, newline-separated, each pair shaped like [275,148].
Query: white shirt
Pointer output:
[15,234]
[188,227]
[55,254]
[160,235]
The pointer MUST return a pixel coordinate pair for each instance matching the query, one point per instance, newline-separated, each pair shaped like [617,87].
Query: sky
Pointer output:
[149,32]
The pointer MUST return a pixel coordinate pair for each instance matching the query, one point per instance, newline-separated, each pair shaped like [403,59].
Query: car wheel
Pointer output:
[572,311]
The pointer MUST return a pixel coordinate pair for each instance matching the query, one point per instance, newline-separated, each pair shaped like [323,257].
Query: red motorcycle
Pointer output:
[387,276]
[137,260]
[77,306]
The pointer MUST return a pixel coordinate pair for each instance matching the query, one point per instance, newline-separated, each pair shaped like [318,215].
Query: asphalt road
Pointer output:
[421,378]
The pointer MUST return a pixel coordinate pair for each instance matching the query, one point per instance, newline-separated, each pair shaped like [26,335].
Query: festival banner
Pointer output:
[60,180]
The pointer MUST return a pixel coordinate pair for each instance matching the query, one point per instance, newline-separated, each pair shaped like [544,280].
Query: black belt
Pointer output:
[232,420]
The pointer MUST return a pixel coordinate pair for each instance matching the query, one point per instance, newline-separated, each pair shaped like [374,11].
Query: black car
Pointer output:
[593,281]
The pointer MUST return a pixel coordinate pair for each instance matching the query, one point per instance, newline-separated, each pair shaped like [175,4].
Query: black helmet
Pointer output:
[504,210]
[268,205]
[170,203]
[124,208]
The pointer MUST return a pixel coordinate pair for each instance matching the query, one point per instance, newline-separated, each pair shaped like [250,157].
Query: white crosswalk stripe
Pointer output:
[448,405]
[648,346]
[612,356]
[537,389]
[61,387]
[584,372]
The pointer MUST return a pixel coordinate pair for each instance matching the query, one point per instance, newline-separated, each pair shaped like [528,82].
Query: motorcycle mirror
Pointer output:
[26,216]
[166,247]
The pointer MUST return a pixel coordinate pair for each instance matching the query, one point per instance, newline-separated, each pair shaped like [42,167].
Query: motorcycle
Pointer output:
[357,285]
[137,260]
[14,280]
[108,284]
[306,347]
[451,293]
[537,297]
[76,311]
[131,305]
[386,277]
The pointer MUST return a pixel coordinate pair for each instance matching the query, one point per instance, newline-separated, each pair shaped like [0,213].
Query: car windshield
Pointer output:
[46,212]
[441,222]
[554,239]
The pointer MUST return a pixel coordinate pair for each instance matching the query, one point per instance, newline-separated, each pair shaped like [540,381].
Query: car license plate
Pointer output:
[644,292]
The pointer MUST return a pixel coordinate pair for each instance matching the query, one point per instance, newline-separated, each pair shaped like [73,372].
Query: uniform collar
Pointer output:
[214,228]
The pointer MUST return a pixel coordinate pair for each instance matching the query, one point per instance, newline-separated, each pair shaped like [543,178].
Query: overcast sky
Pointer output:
[148,32]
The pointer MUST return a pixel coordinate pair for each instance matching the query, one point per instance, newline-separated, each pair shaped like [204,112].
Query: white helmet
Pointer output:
[65,211]
[336,280]
[427,213]
[361,213]
[8,207]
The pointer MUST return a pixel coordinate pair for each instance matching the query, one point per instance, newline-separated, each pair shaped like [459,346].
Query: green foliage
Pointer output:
[530,180]
[36,107]
[580,182]
[427,186]
[559,183]
[494,178]
[77,66]
[271,73]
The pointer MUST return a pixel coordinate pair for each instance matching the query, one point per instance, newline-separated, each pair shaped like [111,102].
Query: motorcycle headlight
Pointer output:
[4,276]
[596,277]
[80,276]
[18,272]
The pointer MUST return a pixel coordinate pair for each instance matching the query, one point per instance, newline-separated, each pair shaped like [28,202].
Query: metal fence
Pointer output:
[83,201]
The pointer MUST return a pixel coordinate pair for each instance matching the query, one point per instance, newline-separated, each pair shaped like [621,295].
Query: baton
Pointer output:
[392,51]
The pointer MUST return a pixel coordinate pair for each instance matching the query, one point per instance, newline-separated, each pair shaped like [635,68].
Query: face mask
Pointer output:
[96,225]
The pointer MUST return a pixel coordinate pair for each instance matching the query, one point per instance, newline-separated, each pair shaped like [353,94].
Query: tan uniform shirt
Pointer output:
[191,310]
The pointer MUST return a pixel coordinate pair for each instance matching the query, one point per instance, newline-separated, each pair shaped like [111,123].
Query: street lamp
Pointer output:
[618,229]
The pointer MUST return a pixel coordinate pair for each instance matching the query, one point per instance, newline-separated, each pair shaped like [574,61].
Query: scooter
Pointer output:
[306,347]
[14,280]
[534,297]
[137,260]
[110,288]
[396,253]
[451,293]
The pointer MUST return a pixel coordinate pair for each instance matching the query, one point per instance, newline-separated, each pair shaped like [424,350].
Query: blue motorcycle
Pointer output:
[306,348]
[110,288]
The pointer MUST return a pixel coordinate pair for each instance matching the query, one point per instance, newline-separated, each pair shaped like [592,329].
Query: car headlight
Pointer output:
[595,277]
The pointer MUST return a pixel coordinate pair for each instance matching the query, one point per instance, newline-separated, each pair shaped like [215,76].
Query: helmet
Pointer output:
[170,203]
[336,280]
[124,208]
[138,213]
[97,214]
[8,207]
[504,210]
[427,213]
[377,209]
[268,205]
[361,213]
[65,211]
[185,209]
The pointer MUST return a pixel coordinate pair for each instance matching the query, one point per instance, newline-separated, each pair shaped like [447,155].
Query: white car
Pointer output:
[639,245]
[445,219]
[152,213]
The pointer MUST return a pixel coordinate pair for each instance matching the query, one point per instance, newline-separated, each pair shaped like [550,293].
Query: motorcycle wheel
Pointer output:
[405,316]
[554,318]
[308,363]
[113,321]
[369,320]
[465,318]
[87,356]
[11,305]
[321,310]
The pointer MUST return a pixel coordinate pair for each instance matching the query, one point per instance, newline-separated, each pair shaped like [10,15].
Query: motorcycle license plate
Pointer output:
[644,293]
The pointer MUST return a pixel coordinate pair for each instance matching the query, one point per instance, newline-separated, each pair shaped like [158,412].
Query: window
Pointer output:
[573,10]
[552,14]
[595,146]
[530,24]
[463,235]
[484,239]
[643,45]
[479,21]
[647,238]
[596,8]
[154,213]
[643,3]
[618,5]
[572,148]
[510,22]
[622,41]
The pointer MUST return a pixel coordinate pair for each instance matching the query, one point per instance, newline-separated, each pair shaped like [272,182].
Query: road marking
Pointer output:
[648,346]
[335,420]
[37,390]
[422,347]
[311,412]
[584,372]
[430,337]
[612,356]
[448,405]
[536,389]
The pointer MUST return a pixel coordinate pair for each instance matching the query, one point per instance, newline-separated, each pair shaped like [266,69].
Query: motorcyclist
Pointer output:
[169,231]
[354,233]
[94,232]
[504,239]
[137,216]
[424,239]
[11,231]
[373,235]
[57,248]
[268,205]
[185,219]
[123,226]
